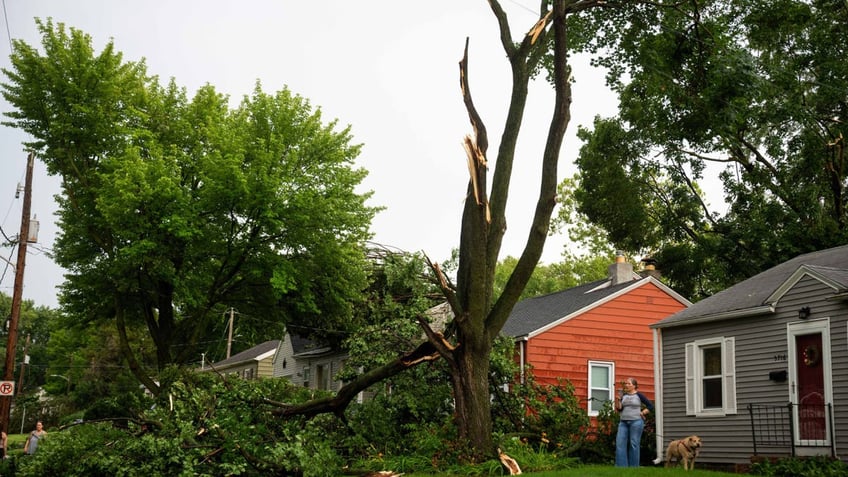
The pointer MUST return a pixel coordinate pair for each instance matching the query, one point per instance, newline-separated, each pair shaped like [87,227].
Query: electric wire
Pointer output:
[8,32]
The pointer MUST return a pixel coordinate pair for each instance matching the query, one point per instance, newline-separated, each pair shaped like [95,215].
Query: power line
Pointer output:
[8,32]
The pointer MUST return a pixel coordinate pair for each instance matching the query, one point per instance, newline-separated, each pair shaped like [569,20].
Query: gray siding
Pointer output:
[298,367]
[761,346]
[285,355]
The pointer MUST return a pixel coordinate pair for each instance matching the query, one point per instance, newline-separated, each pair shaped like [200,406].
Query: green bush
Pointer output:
[800,467]
[201,424]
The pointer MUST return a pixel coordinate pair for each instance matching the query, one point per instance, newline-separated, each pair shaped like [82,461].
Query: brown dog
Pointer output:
[684,450]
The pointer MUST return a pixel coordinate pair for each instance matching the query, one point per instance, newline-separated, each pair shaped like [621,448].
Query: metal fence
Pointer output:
[773,426]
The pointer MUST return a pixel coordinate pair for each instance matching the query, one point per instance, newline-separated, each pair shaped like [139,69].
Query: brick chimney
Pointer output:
[621,271]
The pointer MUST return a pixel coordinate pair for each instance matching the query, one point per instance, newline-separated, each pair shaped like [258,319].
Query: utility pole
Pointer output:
[230,333]
[24,362]
[17,296]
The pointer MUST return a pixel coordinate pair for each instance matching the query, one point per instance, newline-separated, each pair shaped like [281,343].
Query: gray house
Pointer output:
[761,368]
[307,363]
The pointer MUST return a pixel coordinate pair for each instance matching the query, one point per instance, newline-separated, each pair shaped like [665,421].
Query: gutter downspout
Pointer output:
[522,359]
[658,392]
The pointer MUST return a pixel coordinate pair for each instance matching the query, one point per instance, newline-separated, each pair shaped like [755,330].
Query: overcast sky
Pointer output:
[388,68]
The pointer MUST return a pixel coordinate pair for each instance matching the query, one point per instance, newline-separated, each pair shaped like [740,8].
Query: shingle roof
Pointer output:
[535,313]
[249,354]
[304,346]
[755,291]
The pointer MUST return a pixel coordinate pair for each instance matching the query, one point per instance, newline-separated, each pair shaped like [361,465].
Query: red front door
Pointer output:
[812,422]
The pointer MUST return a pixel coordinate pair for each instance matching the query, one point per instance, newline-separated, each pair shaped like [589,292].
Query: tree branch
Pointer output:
[124,344]
[548,183]
[337,404]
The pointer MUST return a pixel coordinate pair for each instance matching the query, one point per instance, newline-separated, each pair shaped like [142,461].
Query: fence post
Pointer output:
[753,427]
[791,408]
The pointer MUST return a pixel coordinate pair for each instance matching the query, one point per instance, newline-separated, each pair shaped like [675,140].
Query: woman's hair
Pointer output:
[633,380]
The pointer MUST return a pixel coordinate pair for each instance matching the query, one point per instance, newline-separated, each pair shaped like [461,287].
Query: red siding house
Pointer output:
[594,335]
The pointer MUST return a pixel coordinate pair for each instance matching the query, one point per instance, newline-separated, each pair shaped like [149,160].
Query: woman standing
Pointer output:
[34,437]
[631,423]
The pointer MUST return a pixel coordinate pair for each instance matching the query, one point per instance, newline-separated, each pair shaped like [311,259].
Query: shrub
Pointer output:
[800,467]
[201,424]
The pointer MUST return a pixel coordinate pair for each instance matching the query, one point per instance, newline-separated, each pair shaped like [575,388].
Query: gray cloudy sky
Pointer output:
[388,68]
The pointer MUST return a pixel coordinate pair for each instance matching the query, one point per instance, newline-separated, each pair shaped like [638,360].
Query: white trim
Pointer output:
[636,284]
[724,315]
[522,346]
[800,328]
[610,383]
[793,279]
[694,381]
[658,393]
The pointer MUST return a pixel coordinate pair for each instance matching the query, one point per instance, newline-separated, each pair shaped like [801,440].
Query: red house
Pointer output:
[594,335]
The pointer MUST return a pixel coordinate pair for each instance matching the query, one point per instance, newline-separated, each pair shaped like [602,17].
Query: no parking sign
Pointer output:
[7,388]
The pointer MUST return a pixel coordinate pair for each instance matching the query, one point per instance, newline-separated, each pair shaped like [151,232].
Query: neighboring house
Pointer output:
[594,335]
[253,363]
[307,363]
[314,365]
[760,368]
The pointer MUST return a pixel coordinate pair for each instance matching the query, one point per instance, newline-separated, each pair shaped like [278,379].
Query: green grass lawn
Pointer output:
[15,443]
[610,471]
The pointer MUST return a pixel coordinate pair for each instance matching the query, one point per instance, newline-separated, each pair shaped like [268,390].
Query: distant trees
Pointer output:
[569,272]
[35,328]
[755,90]
[174,208]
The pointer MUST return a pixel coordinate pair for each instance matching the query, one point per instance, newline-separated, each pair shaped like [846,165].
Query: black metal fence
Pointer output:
[773,426]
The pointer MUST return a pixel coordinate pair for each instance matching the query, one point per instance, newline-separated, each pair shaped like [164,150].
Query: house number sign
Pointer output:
[780,357]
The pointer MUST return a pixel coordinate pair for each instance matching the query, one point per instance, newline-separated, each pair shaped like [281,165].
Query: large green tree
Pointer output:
[753,91]
[175,209]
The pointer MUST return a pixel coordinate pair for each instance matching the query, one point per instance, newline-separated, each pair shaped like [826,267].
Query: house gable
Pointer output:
[283,361]
[835,278]
[616,295]
[612,330]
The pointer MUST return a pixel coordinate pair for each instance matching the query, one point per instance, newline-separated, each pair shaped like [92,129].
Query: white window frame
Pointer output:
[610,385]
[694,379]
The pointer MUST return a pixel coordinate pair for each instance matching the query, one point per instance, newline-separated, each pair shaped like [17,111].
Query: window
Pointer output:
[711,377]
[601,385]
[306,376]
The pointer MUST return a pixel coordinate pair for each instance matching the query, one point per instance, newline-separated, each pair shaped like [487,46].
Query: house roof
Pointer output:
[761,292]
[306,347]
[257,353]
[534,315]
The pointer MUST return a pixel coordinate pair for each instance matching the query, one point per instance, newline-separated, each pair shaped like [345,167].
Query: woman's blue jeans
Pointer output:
[627,443]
